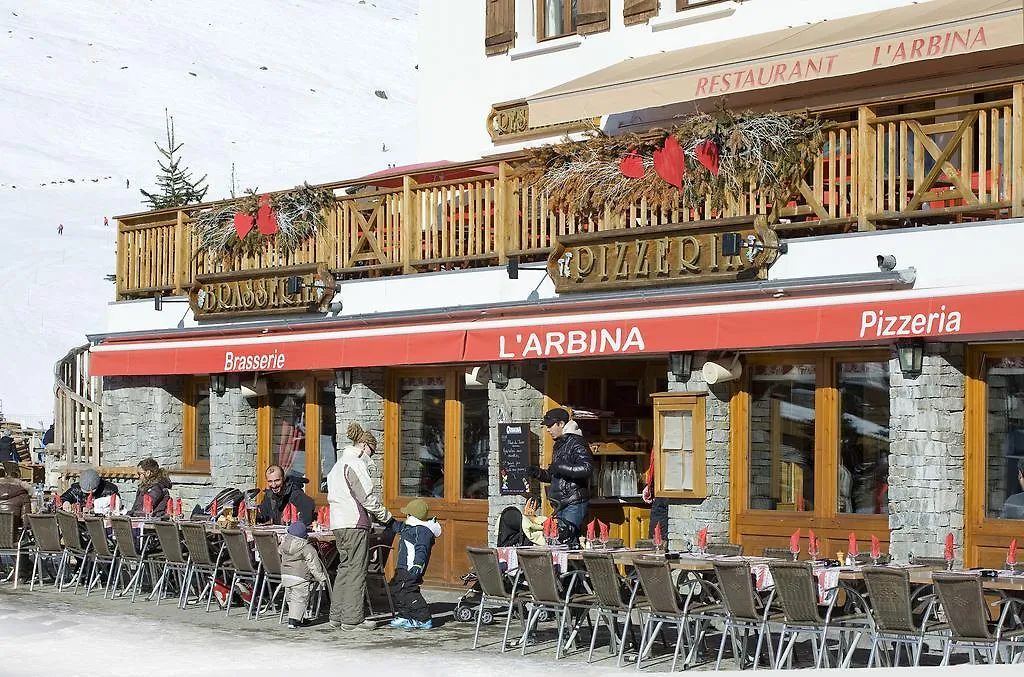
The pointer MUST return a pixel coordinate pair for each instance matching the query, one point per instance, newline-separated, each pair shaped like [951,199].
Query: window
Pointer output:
[863,479]
[196,425]
[475,441]
[421,402]
[680,435]
[1004,437]
[328,439]
[555,18]
[287,401]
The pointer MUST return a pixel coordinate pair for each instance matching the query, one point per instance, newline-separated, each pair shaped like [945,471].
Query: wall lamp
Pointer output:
[219,384]
[910,353]
[499,374]
[680,364]
[734,243]
[294,285]
[159,301]
[343,380]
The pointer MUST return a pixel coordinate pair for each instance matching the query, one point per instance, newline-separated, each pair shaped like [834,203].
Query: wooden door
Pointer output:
[436,448]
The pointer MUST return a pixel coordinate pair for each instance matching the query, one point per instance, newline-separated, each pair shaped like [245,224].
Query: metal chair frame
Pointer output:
[270,572]
[128,553]
[175,562]
[201,564]
[12,540]
[610,589]
[892,614]
[47,546]
[74,546]
[963,599]
[742,609]
[553,593]
[495,585]
[243,567]
[102,554]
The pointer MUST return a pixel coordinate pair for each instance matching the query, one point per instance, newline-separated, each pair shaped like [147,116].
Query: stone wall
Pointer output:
[364,404]
[687,516]
[521,400]
[926,462]
[232,445]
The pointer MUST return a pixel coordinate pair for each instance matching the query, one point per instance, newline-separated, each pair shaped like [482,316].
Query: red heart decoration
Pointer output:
[707,155]
[266,219]
[670,163]
[243,224]
[632,166]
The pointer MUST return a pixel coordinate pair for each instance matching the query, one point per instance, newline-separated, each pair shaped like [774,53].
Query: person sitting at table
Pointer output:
[300,565]
[1013,506]
[89,484]
[283,490]
[153,482]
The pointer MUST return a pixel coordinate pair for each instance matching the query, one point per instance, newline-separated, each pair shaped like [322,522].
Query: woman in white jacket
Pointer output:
[354,506]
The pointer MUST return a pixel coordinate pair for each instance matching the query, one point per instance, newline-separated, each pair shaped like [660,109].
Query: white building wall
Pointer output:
[459,82]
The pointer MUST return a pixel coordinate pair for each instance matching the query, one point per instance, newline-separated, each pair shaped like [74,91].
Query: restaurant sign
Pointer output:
[226,295]
[684,253]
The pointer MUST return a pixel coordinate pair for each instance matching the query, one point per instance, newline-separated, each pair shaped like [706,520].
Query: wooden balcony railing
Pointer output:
[880,167]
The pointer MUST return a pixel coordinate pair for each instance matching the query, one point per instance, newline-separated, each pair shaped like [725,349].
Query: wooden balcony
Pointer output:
[890,165]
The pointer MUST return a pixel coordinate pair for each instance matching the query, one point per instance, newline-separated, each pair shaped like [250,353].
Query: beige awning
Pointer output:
[892,37]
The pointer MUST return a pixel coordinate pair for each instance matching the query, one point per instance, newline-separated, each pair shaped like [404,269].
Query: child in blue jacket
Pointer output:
[415,539]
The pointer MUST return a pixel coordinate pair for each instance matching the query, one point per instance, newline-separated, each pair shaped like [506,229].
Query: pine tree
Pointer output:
[174,184]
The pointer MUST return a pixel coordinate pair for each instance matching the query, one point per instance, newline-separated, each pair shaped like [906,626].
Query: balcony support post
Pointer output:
[1017,153]
[411,234]
[180,254]
[866,168]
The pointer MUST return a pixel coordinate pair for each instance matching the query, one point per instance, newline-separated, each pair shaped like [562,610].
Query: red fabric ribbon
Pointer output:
[794,542]
[876,547]
[657,533]
[702,537]
[851,547]
[949,547]
[1011,554]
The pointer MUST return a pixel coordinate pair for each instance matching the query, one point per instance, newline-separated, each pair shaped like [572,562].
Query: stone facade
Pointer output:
[521,400]
[364,404]
[926,462]
[687,516]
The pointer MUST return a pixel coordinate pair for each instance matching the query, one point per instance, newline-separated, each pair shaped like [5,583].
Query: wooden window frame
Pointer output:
[541,15]
[190,432]
[683,5]
[264,431]
[696,404]
[826,439]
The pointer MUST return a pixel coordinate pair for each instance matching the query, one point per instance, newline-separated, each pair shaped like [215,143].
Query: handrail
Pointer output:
[77,411]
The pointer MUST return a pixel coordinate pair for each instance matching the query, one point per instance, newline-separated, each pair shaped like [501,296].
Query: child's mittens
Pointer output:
[416,570]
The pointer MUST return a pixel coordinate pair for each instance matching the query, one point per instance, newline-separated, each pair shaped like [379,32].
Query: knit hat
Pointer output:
[417,508]
[89,480]
[356,433]
[298,529]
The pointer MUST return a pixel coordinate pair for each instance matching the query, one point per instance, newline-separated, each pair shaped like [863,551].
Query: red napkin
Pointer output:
[177,509]
[113,503]
[147,504]
[170,507]
[702,537]
[326,522]
[243,511]
[794,542]
[547,526]
[590,529]
[1011,555]
[852,547]
[213,510]
[876,547]
[657,533]
[604,530]
[812,544]
[88,503]
[949,547]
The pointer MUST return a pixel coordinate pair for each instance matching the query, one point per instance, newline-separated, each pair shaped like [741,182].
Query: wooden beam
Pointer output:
[1017,189]
[866,167]
[410,226]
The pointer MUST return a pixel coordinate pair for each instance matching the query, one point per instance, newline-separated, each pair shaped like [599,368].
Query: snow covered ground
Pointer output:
[284,90]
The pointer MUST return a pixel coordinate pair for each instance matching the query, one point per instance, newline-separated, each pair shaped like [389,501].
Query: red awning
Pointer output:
[880,318]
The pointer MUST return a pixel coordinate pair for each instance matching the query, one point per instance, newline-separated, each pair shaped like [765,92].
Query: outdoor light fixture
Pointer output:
[159,301]
[218,384]
[910,353]
[734,243]
[512,267]
[499,373]
[886,262]
[680,365]
[343,379]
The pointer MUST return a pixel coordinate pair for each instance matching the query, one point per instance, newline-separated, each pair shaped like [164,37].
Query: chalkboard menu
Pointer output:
[513,458]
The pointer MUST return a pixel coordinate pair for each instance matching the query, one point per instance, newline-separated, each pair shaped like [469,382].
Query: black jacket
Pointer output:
[7,450]
[74,494]
[158,493]
[291,492]
[570,469]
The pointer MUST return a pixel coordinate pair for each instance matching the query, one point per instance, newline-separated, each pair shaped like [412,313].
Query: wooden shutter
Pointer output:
[638,11]
[501,26]
[592,16]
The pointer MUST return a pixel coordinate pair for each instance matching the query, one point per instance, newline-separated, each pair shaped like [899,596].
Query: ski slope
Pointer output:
[283,89]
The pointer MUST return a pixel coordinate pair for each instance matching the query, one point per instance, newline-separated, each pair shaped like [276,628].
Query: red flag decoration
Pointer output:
[794,542]
[591,529]
[707,155]
[670,162]
[812,544]
[657,533]
[88,503]
[949,547]
[1011,554]
[702,537]
[213,510]
[632,166]
[243,224]
[876,547]
[604,530]
[266,218]
[852,545]
[177,508]
[147,504]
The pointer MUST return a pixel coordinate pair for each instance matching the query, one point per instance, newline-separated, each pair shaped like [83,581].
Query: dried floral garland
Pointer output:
[247,225]
[704,160]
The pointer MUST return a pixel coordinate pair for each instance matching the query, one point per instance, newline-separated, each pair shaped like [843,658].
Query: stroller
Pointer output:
[510,535]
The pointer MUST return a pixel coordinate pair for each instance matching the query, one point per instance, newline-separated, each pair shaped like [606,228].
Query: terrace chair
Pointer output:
[743,610]
[797,593]
[78,548]
[864,558]
[495,585]
[175,562]
[12,539]
[102,554]
[892,608]
[270,572]
[129,556]
[243,568]
[667,608]
[377,588]
[963,599]
[933,563]
[616,600]
[47,547]
[724,549]
[202,563]
[552,593]
[779,553]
